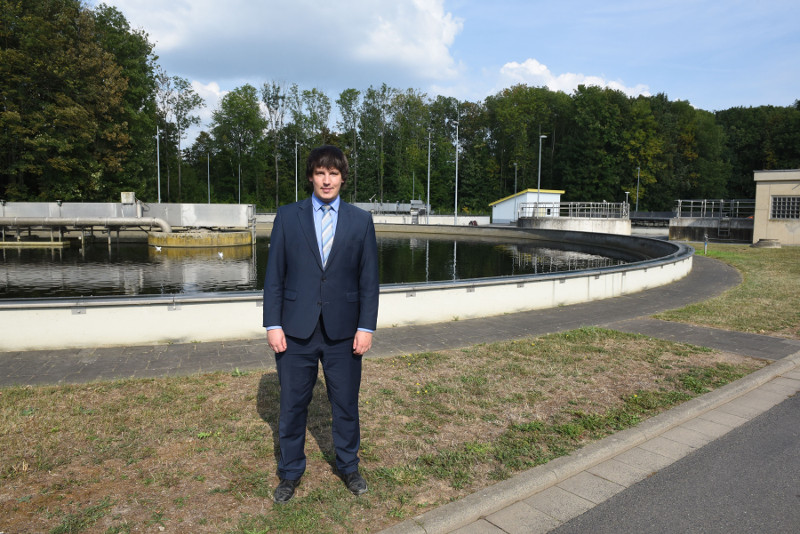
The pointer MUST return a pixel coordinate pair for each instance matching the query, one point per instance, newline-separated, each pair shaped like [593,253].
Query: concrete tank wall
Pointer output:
[698,228]
[40,324]
[578,224]
[193,239]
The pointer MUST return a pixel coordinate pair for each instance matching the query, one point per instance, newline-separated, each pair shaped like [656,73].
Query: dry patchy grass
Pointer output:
[198,454]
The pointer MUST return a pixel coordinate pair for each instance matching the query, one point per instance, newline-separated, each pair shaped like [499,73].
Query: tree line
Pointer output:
[83,99]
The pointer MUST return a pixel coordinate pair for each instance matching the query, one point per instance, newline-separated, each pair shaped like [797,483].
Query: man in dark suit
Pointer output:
[321,305]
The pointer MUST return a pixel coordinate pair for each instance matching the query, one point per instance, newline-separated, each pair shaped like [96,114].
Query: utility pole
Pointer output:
[158,162]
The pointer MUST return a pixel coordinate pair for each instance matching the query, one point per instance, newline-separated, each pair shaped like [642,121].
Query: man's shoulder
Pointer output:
[295,206]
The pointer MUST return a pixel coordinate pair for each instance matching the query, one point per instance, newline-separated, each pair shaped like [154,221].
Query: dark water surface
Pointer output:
[137,269]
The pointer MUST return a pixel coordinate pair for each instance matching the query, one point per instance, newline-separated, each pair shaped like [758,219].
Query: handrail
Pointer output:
[715,208]
[586,210]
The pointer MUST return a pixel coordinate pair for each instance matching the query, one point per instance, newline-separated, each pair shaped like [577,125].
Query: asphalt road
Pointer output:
[747,481]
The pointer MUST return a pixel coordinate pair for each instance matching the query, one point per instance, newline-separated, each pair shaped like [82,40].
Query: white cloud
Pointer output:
[417,35]
[300,40]
[212,94]
[742,54]
[533,73]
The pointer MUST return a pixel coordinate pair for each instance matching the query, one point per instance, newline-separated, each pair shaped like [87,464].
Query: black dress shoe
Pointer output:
[355,483]
[285,490]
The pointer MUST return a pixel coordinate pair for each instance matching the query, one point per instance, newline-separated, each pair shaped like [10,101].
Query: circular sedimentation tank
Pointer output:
[199,239]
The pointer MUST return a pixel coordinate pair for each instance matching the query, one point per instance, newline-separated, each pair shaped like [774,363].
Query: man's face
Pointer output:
[326,183]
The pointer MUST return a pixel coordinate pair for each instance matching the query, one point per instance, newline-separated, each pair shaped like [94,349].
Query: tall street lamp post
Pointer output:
[428,205]
[539,179]
[455,209]
[515,177]
[516,215]
[296,143]
[637,188]
[158,163]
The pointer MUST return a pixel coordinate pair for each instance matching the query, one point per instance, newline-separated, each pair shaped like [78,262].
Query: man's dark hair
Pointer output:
[328,157]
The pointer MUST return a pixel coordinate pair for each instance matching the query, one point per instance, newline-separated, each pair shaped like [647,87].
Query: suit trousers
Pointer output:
[297,375]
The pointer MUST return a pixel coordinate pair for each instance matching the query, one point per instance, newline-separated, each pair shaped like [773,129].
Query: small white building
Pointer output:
[506,210]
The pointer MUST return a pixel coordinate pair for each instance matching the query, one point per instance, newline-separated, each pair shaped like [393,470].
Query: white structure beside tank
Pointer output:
[506,210]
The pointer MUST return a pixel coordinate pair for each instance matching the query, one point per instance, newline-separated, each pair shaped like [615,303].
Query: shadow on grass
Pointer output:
[319,416]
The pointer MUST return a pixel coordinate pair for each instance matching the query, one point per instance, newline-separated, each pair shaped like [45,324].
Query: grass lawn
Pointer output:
[197,454]
[767,301]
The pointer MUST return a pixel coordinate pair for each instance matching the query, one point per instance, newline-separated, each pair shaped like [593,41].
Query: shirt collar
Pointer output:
[317,203]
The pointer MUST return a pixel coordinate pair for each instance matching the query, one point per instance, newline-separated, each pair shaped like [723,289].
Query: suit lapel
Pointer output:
[305,216]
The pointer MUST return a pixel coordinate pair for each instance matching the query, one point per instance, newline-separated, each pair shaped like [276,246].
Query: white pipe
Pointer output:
[86,221]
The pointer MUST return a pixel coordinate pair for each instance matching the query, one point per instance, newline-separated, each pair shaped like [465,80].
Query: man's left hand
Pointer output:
[362,343]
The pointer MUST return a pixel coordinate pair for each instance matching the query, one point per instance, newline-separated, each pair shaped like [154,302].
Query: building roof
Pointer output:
[778,175]
[555,191]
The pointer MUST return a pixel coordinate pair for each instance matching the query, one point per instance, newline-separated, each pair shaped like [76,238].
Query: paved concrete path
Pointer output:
[546,497]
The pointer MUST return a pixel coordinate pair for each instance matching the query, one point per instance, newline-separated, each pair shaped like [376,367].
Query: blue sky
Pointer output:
[713,54]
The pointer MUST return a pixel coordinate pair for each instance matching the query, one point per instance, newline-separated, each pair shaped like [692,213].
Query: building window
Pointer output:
[785,208]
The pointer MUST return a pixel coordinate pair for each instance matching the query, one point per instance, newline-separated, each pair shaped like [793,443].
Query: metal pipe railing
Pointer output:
[589,210]
[715,208]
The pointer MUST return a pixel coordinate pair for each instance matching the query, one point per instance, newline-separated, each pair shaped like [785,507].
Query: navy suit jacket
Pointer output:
[298,290]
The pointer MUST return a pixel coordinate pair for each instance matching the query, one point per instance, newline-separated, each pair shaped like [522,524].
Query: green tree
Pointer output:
[760,138]
[273,94]
[480,181]
[442,111]
[133,52]
[694,164]
[62,99]
[349,112]
[237,127]
[375,119]
[711,170]
[644,149]
[516,117]
[186,100]
[202,159]
[176,101]
[594,148]
[165,127]
[317,107]
[408,144]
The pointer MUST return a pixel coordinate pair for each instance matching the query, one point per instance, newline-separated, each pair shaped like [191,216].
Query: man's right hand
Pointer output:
[276,339]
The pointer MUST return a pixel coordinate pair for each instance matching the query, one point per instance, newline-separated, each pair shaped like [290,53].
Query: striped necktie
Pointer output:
[327,232]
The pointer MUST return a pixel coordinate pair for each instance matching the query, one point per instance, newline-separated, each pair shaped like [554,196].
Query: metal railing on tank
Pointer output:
[715,208]
[585,210]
